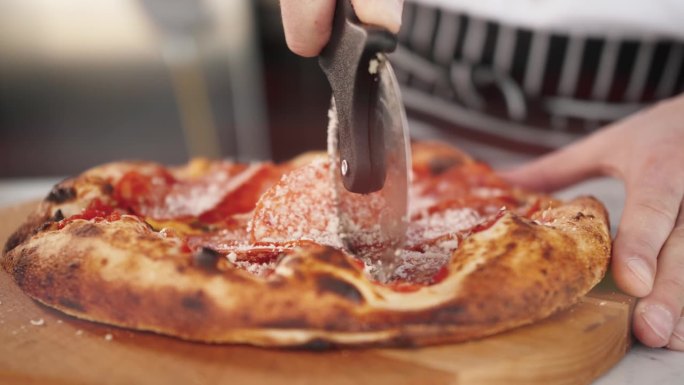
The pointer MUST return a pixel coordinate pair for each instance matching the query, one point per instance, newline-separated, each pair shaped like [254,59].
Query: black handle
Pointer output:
[346,62]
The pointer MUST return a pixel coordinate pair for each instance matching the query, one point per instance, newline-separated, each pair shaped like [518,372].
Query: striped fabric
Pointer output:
[540,87]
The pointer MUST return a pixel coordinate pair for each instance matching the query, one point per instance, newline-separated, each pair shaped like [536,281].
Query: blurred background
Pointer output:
[85,82]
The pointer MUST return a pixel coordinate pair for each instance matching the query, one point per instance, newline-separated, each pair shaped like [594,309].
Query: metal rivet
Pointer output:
[344,167]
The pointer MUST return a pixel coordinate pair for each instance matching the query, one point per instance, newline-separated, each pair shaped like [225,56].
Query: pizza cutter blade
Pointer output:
[367,141]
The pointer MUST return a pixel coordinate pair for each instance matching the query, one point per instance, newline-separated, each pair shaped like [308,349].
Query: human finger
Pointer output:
[657,315]
[651,209]
[561,168]
[307,24]
[677,338]
[383,13]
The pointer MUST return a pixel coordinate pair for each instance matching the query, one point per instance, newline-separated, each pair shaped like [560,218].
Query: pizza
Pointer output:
[226,252]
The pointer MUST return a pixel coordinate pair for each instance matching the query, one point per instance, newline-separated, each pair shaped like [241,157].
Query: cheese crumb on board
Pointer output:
[38,322]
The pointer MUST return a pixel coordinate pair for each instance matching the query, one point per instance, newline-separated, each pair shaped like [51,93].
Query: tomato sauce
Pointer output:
[95,210]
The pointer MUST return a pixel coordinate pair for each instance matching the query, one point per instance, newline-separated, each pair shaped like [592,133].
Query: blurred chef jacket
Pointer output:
[534,75]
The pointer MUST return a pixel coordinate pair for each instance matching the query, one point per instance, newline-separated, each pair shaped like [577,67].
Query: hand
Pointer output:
[646,151]
[308,23]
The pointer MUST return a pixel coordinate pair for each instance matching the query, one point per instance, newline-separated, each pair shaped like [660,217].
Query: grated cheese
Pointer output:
[197,198]
[302,206]
[38,322]
[299,207]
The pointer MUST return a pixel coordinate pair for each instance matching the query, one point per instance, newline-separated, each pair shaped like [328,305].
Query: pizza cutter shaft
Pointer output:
[347,62]
[368,140]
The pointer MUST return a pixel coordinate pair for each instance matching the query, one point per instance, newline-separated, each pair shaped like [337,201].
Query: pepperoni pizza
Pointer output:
[223,252]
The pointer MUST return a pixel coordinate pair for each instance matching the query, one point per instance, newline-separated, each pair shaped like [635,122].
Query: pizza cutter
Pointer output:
[367,141]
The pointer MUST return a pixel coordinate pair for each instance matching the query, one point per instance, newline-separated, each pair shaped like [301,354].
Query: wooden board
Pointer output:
[39,345]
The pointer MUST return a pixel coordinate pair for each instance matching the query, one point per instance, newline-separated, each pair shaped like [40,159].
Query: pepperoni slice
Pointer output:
[405,287]
[440,224]
[300,206]
[244,198]
[432,158]
[138,191]
[223,190]
[418,266]
[483,206]
[192,197]
[365,217]
[459,181]
[441,275]
[96,210]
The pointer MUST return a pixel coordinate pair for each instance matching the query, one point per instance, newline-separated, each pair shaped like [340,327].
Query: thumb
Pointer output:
[561,168]
[308,24]
[383,13]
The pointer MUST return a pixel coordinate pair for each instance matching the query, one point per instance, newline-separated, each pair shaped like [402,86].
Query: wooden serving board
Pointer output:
[39,345]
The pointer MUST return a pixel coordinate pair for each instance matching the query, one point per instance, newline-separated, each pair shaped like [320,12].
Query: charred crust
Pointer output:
[448,314]
[107,189]
[71,304]
[14,240]
[440,165]
[510,246]
[317,344]
[58,216]
[48,281]
[206,258]
[586,215]
[520,223]
[404,341]
[194,302]
[286,323]
[454,309]
[334,257]
[33,225]
[86,230]
[61,194]
[21,267]
[45,226]
[201,226]
[338,287]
